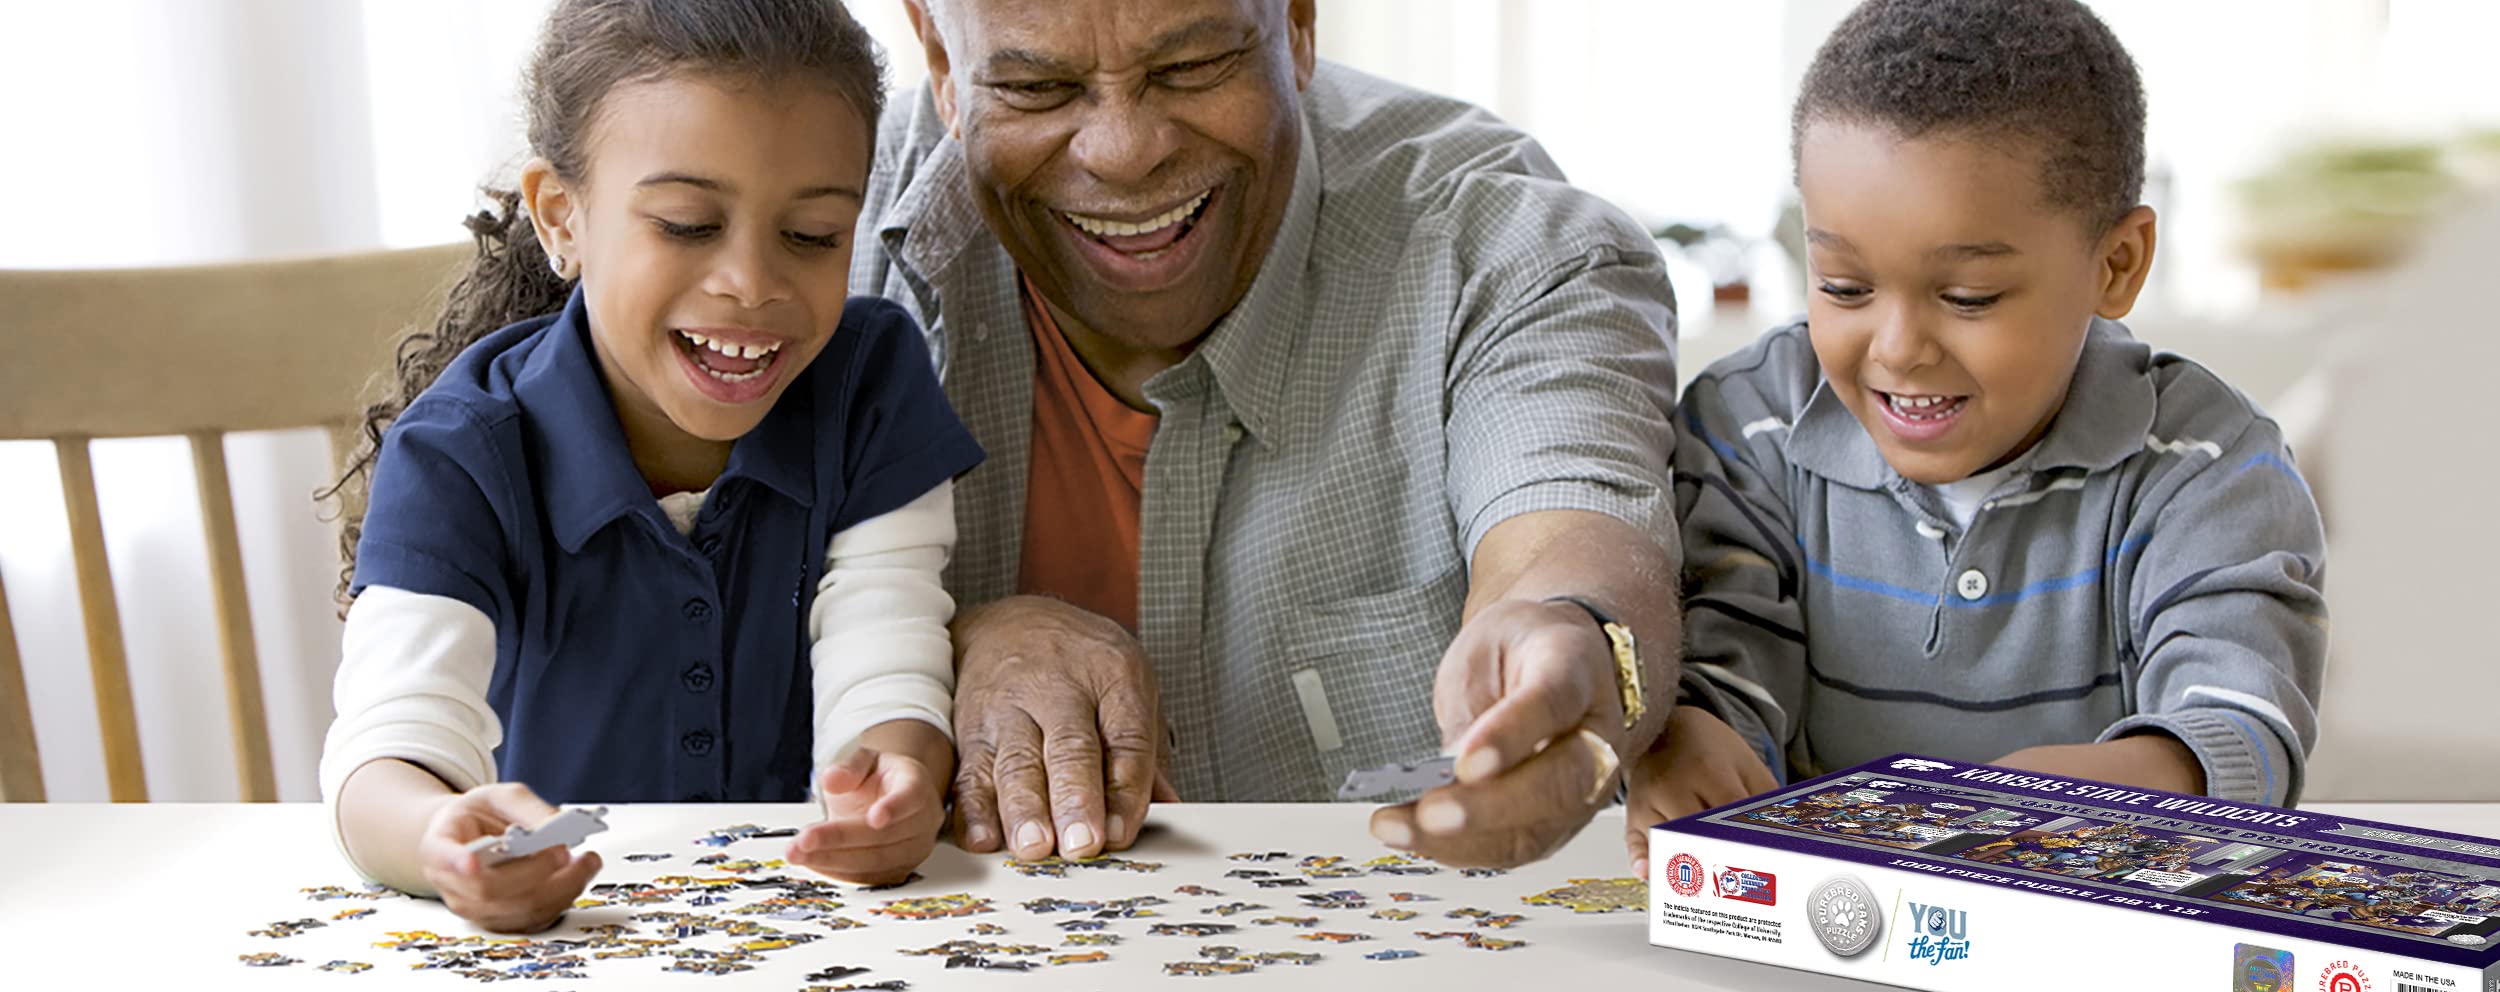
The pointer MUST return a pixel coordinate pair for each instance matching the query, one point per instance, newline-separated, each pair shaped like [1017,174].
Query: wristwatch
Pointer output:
[1628,677]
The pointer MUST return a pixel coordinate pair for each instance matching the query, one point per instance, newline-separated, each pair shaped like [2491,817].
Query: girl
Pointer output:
[673,532]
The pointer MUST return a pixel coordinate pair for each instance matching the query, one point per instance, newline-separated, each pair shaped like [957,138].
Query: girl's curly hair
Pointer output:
[588,48]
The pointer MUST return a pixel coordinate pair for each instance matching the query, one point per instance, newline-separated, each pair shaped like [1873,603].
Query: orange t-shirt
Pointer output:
[1085,482]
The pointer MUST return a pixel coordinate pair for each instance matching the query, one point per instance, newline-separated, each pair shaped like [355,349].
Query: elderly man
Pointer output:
[1327,427]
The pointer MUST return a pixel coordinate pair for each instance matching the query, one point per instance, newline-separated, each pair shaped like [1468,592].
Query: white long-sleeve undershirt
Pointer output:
[414,668]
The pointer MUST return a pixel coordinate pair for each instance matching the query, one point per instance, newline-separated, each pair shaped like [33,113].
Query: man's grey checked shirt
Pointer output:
[1444,335]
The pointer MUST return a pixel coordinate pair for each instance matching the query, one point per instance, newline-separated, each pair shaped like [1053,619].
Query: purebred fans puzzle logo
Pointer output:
[2343,976]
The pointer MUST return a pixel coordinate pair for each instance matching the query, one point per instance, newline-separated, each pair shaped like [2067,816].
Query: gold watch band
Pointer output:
[1629,678]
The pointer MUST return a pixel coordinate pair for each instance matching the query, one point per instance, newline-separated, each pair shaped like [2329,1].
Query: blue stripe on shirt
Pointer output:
[2275,462]
[1692,422]
[2061,584]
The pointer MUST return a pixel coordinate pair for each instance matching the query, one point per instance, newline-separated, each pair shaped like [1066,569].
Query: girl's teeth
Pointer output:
[736,376]
[728,350]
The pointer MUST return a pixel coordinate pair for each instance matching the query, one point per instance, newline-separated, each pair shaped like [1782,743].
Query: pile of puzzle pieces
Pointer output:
[743,912]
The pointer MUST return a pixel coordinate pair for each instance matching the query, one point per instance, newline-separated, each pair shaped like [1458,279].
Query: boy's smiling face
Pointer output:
[1947,298]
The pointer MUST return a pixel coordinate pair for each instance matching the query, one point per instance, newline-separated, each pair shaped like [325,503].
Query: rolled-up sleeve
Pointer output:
[1563,401]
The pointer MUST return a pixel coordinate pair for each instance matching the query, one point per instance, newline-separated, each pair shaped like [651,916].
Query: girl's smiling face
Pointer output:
[1947,299]
[711,230]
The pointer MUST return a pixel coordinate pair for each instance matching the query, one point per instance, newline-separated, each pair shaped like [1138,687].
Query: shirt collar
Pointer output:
[934,220]
[585,473]
[2109,410]
[1250,350]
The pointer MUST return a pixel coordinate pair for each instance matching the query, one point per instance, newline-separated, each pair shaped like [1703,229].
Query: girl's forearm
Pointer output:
[383,809]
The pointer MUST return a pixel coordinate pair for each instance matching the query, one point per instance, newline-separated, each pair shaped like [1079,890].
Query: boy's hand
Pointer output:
[1700,762]
[524,895]
[882,813]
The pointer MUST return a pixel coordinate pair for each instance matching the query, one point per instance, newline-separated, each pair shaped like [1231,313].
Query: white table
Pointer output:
[133,896]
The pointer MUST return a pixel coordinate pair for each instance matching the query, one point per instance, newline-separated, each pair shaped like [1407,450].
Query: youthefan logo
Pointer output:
[1938,934]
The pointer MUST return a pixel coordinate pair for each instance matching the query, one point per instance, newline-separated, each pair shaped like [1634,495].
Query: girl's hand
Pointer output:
[524,895]
[882,813]
[1700,762]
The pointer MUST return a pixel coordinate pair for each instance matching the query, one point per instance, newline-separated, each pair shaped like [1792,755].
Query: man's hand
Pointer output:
[1700,762]
[524,895]
[1058,731]
[1526,698]
[883,801]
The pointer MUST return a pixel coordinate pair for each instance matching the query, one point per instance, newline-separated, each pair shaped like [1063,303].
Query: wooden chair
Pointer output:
[198,352]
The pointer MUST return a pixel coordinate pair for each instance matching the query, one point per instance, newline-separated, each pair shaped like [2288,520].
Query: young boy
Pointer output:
[1959,510]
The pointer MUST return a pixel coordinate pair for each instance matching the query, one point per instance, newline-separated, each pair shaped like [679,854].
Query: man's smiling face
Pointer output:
[1133,156]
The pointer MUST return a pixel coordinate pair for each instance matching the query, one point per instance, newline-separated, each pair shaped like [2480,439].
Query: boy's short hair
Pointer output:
[2043,71]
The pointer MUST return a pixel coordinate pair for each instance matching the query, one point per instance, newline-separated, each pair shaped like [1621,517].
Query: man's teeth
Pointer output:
[1922,407]
[1101,228]
[728,350]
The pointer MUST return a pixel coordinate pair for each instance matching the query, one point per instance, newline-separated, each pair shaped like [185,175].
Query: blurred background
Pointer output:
[2327,174]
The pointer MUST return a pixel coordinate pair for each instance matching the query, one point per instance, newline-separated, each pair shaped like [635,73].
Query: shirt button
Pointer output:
[1232,433]
[697,610]
[697,677]
[1972,585]
[698,743]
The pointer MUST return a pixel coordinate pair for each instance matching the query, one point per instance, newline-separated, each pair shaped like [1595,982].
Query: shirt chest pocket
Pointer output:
[1359,671]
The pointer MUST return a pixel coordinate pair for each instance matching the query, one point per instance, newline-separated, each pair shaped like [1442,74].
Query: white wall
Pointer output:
[2406,470]
[200,131]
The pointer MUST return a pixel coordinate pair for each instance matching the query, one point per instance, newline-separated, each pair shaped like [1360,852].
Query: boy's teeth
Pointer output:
[1921,407]
[1101,228]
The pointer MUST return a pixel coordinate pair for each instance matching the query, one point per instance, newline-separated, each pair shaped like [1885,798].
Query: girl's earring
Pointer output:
[555,263]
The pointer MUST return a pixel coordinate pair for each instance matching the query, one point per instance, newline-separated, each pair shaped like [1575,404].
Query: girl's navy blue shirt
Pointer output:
[632,663]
